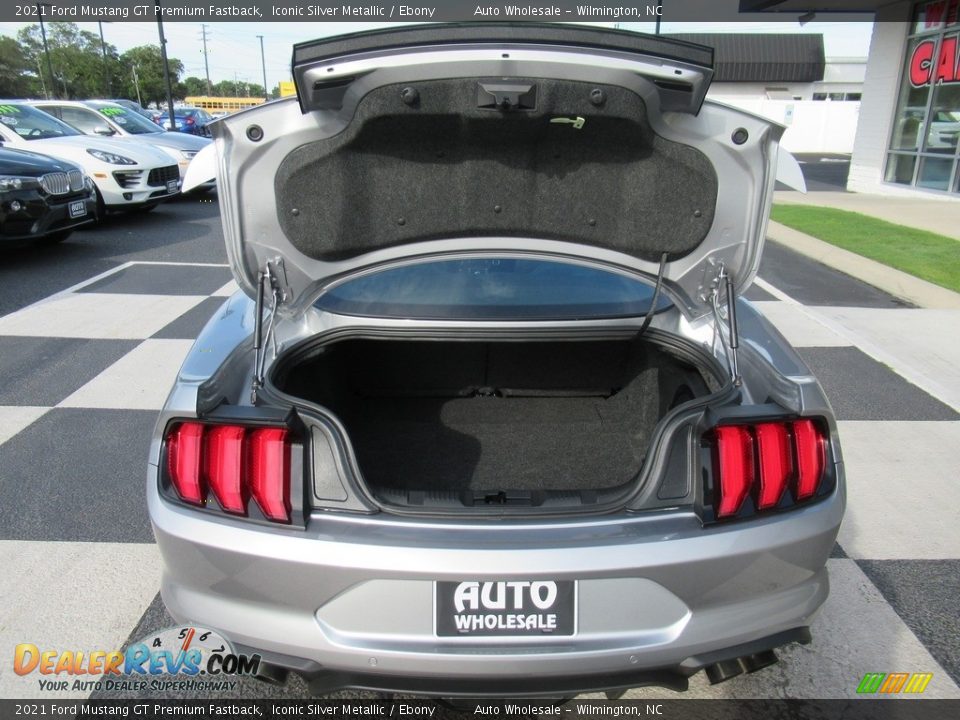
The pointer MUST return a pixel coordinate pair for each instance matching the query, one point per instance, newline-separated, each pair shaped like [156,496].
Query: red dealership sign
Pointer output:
[930,64]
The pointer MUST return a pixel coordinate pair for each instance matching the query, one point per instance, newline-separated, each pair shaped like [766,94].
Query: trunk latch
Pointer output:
[505,497]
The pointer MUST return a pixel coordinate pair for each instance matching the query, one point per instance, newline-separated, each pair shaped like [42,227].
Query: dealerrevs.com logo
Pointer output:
[506,607]
[177,658]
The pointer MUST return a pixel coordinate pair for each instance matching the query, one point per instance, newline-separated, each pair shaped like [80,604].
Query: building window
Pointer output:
[923,150]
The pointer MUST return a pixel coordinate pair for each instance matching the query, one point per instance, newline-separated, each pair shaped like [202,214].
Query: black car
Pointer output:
[42,198]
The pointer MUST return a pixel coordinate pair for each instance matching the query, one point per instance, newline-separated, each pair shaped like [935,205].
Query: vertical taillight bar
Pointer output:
[735,466]
[224,467]
[184,446]
[775,460]
[811,457]
[269,472]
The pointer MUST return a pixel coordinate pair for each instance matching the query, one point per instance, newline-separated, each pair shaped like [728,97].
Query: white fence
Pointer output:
[812,126]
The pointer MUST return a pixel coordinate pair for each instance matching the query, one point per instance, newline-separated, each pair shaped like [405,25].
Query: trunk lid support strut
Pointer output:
[274,276]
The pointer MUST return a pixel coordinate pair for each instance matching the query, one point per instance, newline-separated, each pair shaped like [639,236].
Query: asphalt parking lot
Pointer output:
[92,333]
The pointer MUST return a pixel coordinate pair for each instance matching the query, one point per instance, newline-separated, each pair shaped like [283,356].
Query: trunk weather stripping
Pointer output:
[273,274]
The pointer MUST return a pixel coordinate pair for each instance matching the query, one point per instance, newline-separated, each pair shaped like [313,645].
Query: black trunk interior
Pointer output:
[491,416]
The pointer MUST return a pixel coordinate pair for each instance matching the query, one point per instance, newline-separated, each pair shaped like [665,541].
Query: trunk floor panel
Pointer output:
[491,444]
[490,416]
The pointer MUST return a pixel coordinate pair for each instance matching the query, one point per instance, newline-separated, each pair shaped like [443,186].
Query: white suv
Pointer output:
[127,176]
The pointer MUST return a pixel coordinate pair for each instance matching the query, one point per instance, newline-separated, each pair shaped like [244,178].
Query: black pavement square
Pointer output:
[757,293]
[163,280]
[926,595]
[860,388]
[812,283]
[189,325]
[77,474]
[45,370]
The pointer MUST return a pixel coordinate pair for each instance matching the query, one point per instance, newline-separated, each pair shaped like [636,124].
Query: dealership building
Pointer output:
[907,133]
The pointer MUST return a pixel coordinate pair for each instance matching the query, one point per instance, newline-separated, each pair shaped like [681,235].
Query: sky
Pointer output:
[234,49]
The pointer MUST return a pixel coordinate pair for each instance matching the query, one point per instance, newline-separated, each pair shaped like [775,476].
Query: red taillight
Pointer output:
[224,466]
[775,458]
[735,456]
[190,121]
[235,463]
[766,459]
[811,457]
[183,461]
[270,472]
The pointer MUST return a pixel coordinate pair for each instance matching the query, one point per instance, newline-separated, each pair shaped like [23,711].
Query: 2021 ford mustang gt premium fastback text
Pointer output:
[488,415]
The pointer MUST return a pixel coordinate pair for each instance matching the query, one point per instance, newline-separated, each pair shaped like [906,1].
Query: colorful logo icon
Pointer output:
[892,683]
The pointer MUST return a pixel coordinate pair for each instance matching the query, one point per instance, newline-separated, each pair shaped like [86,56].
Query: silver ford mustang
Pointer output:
[488,415]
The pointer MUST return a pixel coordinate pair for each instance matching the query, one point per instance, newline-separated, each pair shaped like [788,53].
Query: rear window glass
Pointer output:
[492,289]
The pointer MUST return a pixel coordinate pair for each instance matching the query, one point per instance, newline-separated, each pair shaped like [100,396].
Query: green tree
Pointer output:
[194,86]
[17,78]
[240,88]
[144,71]
[79,67]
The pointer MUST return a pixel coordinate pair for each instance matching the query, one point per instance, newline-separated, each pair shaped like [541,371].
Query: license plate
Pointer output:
[505,608]
[171,186]
[78,208]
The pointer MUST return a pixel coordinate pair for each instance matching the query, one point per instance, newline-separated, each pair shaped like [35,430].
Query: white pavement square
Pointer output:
[140,380]
[923,345]
[70,596]
[856,632]
[14,418]
[901,478]
[98,315]
[798,327]
[227,290]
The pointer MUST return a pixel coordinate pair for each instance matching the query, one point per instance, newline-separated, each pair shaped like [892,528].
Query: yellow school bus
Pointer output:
[222,105]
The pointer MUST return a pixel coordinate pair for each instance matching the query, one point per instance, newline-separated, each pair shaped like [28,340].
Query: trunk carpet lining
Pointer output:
[562,415]
[492,444]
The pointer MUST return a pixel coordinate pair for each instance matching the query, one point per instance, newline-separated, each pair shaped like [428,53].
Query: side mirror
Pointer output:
[104,130]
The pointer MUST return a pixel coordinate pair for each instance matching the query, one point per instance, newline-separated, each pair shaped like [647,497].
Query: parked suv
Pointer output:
[42,198]
[106,119]
[489,415]
[126,176]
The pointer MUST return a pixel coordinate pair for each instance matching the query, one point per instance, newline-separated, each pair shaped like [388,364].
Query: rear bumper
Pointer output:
[349,602]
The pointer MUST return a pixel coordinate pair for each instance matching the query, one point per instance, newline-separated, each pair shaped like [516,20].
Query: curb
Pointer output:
[896,282]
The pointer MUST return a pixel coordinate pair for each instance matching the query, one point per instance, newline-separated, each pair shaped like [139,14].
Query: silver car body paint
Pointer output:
[352,593]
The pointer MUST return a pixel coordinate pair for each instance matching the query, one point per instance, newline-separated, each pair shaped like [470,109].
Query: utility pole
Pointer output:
[166,69]
[206,65]
[46,49]
[263,64]
[43,83]
[106,67]
[136,84]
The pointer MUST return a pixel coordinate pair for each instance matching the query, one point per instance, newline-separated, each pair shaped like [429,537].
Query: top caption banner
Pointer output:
[445,11]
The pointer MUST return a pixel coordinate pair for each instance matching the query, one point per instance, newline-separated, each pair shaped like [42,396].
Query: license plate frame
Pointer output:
[476,596]
[77,209]
[173,186]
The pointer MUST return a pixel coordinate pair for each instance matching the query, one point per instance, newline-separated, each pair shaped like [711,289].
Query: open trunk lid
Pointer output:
[524,139]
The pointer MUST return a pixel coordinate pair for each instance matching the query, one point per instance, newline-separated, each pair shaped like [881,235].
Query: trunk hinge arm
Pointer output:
[273,279]
[733,330]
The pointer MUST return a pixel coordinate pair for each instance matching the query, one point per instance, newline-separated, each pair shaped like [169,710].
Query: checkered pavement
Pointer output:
[85,371]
